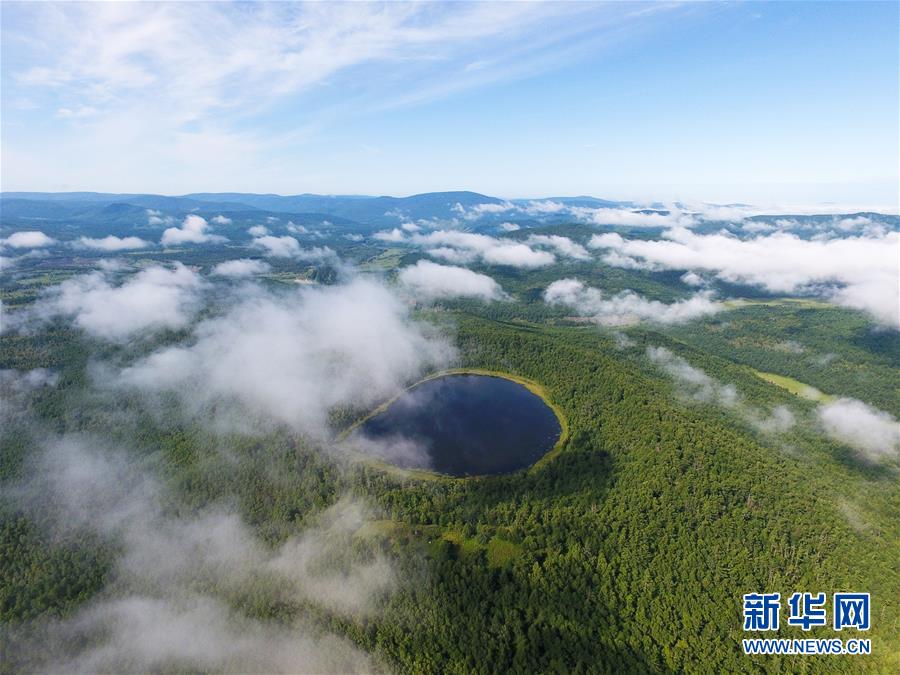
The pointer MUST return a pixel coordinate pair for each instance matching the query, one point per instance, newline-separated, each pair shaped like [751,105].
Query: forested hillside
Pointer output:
[629,552]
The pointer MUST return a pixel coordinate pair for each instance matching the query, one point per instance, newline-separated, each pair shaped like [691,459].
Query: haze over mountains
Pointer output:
[462,208]
[364,209]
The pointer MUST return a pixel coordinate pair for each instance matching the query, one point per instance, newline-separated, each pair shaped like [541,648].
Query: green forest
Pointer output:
[628,552]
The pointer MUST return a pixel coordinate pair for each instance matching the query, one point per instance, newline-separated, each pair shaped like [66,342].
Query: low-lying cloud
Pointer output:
[167,604]
[697,386]
[288,247]
[563,246]
[429,281]
[466,247]
[28,239]
[858,272]
[153,299]
[242,267]
[626,307]
[873,432]
[111,243]
[292,357]
[193,230]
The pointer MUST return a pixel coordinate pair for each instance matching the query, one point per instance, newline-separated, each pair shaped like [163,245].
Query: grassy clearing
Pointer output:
[438,542]
[501,552]
[806,303]
[386,260]
[795,386]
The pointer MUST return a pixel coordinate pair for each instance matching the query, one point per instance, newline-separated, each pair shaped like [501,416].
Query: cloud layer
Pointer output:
[859,272]
[626,307]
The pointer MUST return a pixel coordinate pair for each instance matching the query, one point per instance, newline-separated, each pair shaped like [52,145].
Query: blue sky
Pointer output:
[787,103]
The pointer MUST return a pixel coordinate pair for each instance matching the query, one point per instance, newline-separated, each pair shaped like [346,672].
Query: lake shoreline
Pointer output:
[424,474]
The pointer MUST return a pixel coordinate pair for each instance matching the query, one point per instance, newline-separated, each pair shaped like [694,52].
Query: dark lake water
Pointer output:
[464,425]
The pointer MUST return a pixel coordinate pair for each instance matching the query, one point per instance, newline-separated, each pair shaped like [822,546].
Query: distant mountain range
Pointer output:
[68,215]
[361,209]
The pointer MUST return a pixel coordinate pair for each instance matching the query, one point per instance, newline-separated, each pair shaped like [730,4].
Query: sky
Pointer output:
[776,103]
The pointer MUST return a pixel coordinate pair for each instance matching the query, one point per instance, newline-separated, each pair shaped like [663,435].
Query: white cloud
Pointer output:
[626,307]
[162,68]
[288,247]
[692,279]
[111,243]
[293,357]
[258,231]
[544,206]
[153,299]
[155,217]
[461,247]
[396,235]
[428,280]
[300,229]
[873,432]
[517,255]
[221,220]
[510,227]
[192,231]
[410,227]
[563,246]
[476,211]
[634,217]
[28,239]
[859,272]
[245,267]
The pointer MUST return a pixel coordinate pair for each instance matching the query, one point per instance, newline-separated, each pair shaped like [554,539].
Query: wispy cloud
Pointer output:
[873,433]
[169,597]
[288,247]
[696,385]
[186,85]
[292,357]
